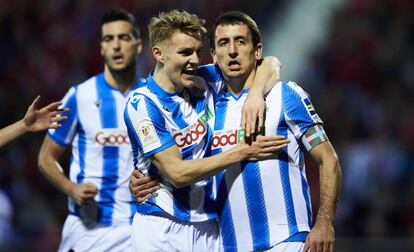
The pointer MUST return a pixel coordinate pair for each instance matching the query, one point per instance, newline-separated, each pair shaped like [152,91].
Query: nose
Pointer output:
[233,50]
[116,44]
[195,58]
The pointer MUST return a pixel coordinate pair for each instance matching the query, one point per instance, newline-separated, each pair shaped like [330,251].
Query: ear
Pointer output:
[258,51]
[213,55]
[157,54]
[139,46]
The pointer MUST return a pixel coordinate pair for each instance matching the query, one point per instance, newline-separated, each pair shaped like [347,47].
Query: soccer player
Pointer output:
[100,204]
[35,120]
[170,130]
[265,205]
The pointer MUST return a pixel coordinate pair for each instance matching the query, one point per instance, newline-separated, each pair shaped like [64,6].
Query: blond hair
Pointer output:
[167,23]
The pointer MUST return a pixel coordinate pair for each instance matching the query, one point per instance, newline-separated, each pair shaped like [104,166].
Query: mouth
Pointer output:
[189,71]
[234,65]
[118,59]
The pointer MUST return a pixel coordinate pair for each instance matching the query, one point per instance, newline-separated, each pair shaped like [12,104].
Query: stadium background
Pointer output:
[355,59]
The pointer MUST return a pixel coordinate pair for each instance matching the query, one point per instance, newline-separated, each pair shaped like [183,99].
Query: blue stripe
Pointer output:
[82,158]
[221,112]
[305,187]
[182,203]
[295,109]
[108,116]
[227,230]
[284,175]
[256,207]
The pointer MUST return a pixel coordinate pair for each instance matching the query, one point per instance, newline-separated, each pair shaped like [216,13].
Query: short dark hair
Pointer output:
[236,17]
[121,15]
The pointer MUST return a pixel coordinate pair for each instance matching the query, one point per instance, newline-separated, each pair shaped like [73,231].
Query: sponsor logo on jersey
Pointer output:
[224,138]
[193,133]
[146,133]
[111,137]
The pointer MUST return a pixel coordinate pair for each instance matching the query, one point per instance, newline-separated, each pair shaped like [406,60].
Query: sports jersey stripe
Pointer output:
[108,115]
[82,156]
[252,183]
[305,187]
[284,175]
[221,112]
[226,227]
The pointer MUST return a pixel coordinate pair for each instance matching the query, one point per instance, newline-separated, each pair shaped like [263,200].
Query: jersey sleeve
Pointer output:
[146,125]
[298,109]
[64,135]
[211,74]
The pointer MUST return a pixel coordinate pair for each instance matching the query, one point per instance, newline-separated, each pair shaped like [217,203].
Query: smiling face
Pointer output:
[118,46]
[178,58]
[234,51]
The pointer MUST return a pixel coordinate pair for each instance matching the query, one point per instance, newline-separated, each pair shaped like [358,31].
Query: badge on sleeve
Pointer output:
[146,133]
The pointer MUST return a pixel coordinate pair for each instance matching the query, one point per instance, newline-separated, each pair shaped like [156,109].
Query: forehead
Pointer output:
[231,30]
[182,40]
[116,27]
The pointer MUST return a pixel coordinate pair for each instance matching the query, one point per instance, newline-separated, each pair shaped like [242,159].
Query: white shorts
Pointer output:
[155,234]
[288,247]
[78,238]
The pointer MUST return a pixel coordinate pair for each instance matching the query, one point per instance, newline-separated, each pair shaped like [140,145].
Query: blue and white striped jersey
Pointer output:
[101,151]
[157,120]
[263,203]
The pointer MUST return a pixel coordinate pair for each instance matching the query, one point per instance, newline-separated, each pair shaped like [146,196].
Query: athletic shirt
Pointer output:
[156,120]
[101,151]
[266,202]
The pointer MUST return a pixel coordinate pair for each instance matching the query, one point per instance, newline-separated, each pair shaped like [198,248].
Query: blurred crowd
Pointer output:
[361,79]
[362,82]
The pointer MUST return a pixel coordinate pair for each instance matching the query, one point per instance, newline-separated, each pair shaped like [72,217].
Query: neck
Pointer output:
[164,81]
[236,85]
[122,80]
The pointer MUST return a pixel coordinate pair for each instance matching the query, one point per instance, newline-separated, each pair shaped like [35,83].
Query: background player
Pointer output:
[35,120]
[167,124]
[100,205]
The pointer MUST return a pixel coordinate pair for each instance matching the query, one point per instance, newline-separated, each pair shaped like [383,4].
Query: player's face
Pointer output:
[234,51]
[118,45]
[180,56]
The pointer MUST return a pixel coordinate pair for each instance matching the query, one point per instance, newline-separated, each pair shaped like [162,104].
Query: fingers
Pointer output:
[261,119]
[90,187]
[53,106]
[35,102]
[307,246]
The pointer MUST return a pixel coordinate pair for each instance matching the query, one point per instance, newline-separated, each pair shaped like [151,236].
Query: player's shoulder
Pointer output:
[209,72]
[292,88]
[140,97]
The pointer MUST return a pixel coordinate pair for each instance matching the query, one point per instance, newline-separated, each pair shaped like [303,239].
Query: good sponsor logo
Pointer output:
[224,138]
[190,134]
[111,137]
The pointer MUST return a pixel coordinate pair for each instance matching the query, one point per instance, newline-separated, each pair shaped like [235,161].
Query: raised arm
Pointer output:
[34,120]
[267,74]
[322,235]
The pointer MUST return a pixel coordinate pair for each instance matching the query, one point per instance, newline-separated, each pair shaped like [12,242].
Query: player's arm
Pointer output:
[35,120]
[267,74]
[186,172]
[322,235]
[48,162]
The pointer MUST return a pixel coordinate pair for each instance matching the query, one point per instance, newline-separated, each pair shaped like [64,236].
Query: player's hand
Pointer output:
[143,187]
[264,147]
[44,118]
[253,112]
[320,239]
[83,193]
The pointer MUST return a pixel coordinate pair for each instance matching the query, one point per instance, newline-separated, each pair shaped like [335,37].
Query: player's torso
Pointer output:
[101,151]
[251,196]
[190,121]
